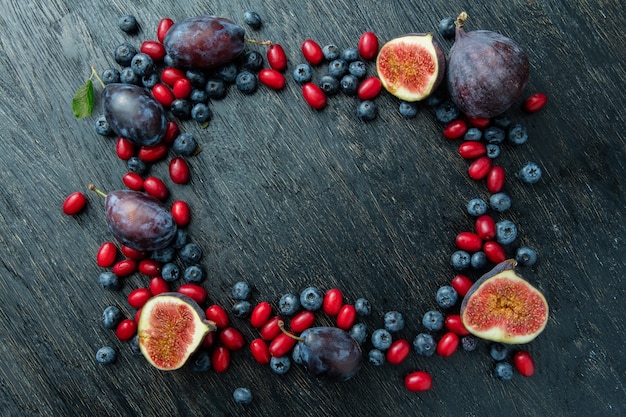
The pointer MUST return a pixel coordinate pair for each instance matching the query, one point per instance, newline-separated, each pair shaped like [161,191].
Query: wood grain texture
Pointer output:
[285,197]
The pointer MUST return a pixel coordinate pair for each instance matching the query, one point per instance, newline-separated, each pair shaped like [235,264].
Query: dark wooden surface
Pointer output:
[285,197]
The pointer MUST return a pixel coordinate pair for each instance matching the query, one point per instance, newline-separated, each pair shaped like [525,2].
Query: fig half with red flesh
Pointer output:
[503,307]
[171,327]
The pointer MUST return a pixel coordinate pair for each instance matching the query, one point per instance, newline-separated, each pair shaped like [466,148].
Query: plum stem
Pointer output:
[97,191]
[460,20]
[257,42]
[281,326]
[94,73]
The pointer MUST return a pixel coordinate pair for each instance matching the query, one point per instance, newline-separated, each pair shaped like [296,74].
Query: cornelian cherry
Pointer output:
[154,50]
[138,297]
[133,181]
[472,149]
[126,329]
[132,253]
[164,25]
[74,203]
[398,351]
[333,300]
[125,267]
[447,345]
[485,227]
[158,285]
[260,314]
[179,170]
[368,45]
[312,52]
[535,103]
[260,351]
[346,317]
[369,88]
[271,328]
[479,168]
[494,252]
[149,267]
[124,149]
[155,187]
[182,88]
[193,291]
[302,321]
[169,75]
[232,338]
[495,179]
[217,314]
[106,255]
[220,359]
[455,129]
[461,284]
[163,94]
[524,363]
[181,213]
[468,241]
[418,381]
[454,324]
[153,153]
[314,96]
[276,57]
[171,132]
[281,345]
[272,78]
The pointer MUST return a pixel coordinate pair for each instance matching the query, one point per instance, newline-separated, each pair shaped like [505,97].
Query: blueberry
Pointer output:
[331,51]
[329,84]
[506,232]
[136,165]
[109,281]
[433,320]
[242,396]
[168,61]
[150,80]
[476,207]
[170,272]
[184,144]
[191,253]
[128,23]
[124,53]
[193,273]
[181,239]
[367,110]
[349,84]
[311,299]
[289,304]
[134,345]
[493,150]
[228,72]
[241,308]
[504,371]
[394,321]
[381,339]
[362,307]
[201,362]
[460,259]
[359,333]
[105,355]
[446,112]
[128,76]
[142,64]
[164,255]
[446,296]
[280,365]
[241,291]
[246,82]
[473,134]
[469,343]
[498,351]
[478,260]
[337,68]
[201,113]
[500,202]
[447,28]
[424,344]
[436,98]
[502,121]
[198,96]
[102,127]
[302,73]
[296,354]
[197,78]
[253,61]
[376,357]
[215,88]
[111,316]
[110,76]
[526,256]
[517,134]
[358,69]
[181,108]
[494,134]
[350,55]
[407,109]
[252,19]
[529,173]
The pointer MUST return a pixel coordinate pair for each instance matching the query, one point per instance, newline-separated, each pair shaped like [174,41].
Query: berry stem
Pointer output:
[97,191]
[460,20]
[281,326]
[257,42]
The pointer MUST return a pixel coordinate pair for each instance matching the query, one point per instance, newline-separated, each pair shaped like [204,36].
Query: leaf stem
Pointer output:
[94,73]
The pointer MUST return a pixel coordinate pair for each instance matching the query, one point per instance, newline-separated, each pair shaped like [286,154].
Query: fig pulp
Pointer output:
[133,114]
[139,220]
[204,42]
[503,307]
[486,71]
[171,327]
[411,67]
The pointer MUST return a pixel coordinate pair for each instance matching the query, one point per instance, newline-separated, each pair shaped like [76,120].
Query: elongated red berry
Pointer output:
[155,187]
[468,241]
[260,314]
[369,88]
[302,321]
[154,50]
[478,122]
[276,57]
[281,345]
[158,285]
[447,345]
[217,314]
[454,324]
[126,329]
[106,255]
[232,338]
[138,297]
[495,179]
[132,253]
[485,227]
[479,168]
[455,129]
[164,25]
[171,132]
[220,359]
[535,103]
[271,328]
[418,381]
[461,284]
[125,267]
[272,78]
[74,203]
[494,252]
[179,170]
[133,181]
[398,351]
[260,351]
[182,88]
[312,52]
[124,149]
[314,96]
[524,363]
[152,153]
[209,340]
[169,75]
[346,317]
[181,213]
[472,149]
[333,300]
[193,291]
[163,94]
[150,267]
[368,45]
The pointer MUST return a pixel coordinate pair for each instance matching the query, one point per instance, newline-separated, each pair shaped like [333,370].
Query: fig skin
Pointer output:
[519,311]
[487,71]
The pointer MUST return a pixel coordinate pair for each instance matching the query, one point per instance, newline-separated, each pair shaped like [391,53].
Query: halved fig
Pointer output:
[171,327]
[411,66]
[503,307]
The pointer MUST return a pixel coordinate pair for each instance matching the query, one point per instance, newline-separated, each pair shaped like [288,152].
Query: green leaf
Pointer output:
[82,103]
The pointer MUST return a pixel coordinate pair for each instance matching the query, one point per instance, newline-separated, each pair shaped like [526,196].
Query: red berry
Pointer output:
[132,253]
[333,300]
[232,338]
[260,314]
[155,187]
[535,103]
[126,329]
[138,297]
[158,285]
[179,170]
[418,381]
[125,267]
[524,363]
[398,351]
[454,324]
[461,284]
[302,321]
[182,88]
[479,168]
[74,203]
[133,181]
[276,57]
[272,78]
[220,359]
[448,344]
[455,129]
[494,252]
[217,315]
[369,88]
[495,179]
[281,345]
[346,317]
[164,25]
[468,241]
[124,149]
[472,149]
[314,96]
[271,329]
[260,351]
[137,315]
[312,52]
[169,75]
[193,291]
[368,45]
[171,132]
[209,340]
[485,227]
[163,94]
[478,122]
[106,255]
[181,213]
[149,267]
[153,153]
[154,50]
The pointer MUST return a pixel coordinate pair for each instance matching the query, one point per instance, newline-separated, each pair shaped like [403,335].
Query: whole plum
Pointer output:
[133,114]
[204,42]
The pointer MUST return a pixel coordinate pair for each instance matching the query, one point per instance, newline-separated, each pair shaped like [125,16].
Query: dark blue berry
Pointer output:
[182,237]
[198,96]
[253,61]
[329,84]
[135,164]
[436,98]
[337,68]
[350,55]
[128,76]
[460,260]
[106,355]
[407,109]
[170,272]
[502,121]
[367,110]
[359,332]
[473,134]
[331,51]
[280,365]
[394,321]
[246,82]
[433,320]
[311,299]
[196,78]
[529,173]
[241,308]
[506,232]
[479,260]
[181,108]
[252,19]
[476,207]
[109,281]
[102,127]
[134,345]
[191,253]
[446,112]
[128,23]
[241,290]
[164,255]
[349,84]
[302,73]
[517,134]
[381,339]
[469,343]
[142,64]
[296,354]
[504,371]
[498,351]
[376,357]
[168,61]
[289,304]
[215,88]
[493,150]
[358,69]
[201,113]
[111,316]
[526,256]
[447,28]
[228,72]
[242,396]
[124,53]
[184,144]
[424,344]
[193,273]
[500,202]
[494,134]
[201,362]
[446,296]
[110,76]
[362,307]
[150,80]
